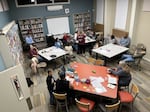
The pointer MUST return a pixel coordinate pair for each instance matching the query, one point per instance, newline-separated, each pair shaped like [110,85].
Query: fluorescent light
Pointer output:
[32,0]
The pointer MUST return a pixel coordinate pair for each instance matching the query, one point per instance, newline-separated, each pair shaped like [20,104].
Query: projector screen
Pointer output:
[58,25]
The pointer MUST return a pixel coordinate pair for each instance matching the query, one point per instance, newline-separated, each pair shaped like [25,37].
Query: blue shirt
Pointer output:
[125,42]
[29,40]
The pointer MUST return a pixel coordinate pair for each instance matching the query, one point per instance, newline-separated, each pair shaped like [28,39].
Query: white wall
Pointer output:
[142,29]
[121,14]
[100,11]
[5,52]
[8,99]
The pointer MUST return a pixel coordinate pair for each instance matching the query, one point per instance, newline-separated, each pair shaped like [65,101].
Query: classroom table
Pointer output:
[51,53]
[88,71]
[110,50]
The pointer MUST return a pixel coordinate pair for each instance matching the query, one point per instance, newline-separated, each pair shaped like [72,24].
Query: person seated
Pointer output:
[29,39]
[139,52]
[113,39]
[34,63]
[89,33]
[123,72]
[125,41]
[66,38]
[58,43]
[34,53]
[69,48]
[63,85]
[50,40]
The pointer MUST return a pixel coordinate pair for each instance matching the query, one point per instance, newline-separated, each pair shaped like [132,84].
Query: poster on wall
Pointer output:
[17,87]
[14,44]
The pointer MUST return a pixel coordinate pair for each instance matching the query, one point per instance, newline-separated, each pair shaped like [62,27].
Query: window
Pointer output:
[25,3]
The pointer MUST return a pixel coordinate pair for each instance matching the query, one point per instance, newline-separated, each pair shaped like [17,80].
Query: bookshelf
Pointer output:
[82,21]
[33,26]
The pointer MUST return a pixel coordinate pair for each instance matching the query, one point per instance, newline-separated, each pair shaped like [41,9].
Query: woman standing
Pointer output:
[81,42]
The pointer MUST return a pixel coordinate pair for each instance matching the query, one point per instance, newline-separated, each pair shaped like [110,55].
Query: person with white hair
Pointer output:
[123,72]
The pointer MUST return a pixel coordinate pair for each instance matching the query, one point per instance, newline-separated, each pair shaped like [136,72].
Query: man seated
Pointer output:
[123,72]
[29,39]
[113,39]
[125,41]
[58,43]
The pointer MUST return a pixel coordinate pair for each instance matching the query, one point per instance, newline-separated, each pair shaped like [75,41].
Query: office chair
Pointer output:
[110,107]
[85,105]
[128,97]
[61,101]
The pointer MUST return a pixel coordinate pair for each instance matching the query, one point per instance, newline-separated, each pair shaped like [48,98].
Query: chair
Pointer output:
[132,49]
[61,101]
[85,105]
[42,65]
[91,60]
[99,62]
[128,97]
[141,49]
[110,107]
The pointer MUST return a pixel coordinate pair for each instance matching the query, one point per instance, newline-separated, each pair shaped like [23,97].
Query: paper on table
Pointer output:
[112,80]
[111,86]
[99,79]
[98,86]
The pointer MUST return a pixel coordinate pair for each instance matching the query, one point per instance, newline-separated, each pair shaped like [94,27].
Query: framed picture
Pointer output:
[17,87]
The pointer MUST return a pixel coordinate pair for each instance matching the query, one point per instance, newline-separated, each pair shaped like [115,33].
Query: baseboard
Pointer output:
[146,59]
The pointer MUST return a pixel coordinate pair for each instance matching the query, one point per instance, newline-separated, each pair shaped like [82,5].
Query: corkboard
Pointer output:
[98,27]
[119,33]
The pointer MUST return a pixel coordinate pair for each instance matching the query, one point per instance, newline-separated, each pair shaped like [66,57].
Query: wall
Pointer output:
[2,65]
[142,32]
[9,101]
[4,18]
[109,16]
[41,11]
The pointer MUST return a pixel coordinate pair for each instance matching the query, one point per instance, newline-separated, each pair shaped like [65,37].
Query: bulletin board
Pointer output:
[58,25]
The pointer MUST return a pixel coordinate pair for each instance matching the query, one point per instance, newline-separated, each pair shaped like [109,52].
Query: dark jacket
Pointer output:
[124,77]
[50,83]
[62,86]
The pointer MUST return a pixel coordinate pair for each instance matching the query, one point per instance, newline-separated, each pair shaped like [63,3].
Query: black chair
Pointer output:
[50,40]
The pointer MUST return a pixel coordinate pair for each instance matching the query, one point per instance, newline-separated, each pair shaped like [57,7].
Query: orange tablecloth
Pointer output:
[85,71]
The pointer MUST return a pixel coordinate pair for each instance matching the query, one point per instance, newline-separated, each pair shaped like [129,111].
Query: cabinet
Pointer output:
[82,21]
[33,26]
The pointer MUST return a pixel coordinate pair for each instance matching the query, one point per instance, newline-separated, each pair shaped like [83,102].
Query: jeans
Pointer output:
[127,58]
[52,99]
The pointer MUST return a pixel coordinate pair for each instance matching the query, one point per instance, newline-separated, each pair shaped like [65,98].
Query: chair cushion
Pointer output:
[92,103]
[125,97]
[41,65]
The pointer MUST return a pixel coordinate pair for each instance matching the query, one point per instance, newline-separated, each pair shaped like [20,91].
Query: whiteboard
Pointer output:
[121,14]
[100,11]
[58,25]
